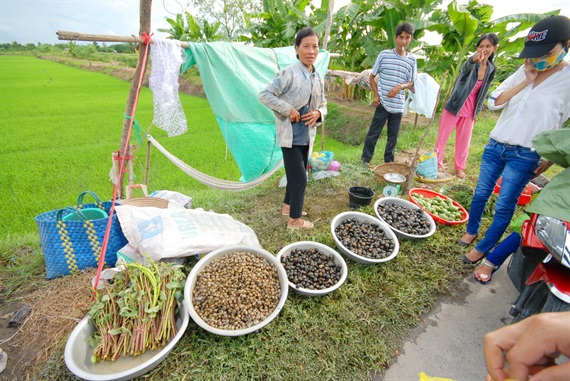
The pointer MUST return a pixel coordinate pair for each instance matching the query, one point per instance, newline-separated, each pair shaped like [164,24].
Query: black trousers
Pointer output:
[295,160]
[378,121]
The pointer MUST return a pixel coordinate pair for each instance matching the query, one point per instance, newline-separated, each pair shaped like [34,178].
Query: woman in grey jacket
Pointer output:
[466,100]
[297,98]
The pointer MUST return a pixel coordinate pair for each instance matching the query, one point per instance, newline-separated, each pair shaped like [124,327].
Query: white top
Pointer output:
[533,110]
[394,70]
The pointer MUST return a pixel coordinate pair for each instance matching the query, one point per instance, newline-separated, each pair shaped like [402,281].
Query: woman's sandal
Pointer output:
[306,225]
[468,261]
[465,244]
[485,276]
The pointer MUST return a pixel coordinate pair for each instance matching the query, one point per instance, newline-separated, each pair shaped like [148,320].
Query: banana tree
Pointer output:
[189,28]
[279,22]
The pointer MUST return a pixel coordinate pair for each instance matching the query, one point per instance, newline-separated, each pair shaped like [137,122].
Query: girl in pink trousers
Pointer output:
[469,92]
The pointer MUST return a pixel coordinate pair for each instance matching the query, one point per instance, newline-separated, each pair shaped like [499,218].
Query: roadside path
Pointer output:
[449,343]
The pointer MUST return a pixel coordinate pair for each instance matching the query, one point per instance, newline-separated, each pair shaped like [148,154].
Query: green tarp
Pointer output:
[232,76]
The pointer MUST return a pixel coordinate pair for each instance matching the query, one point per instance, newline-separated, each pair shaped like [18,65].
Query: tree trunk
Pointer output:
[328,26]
[145,8]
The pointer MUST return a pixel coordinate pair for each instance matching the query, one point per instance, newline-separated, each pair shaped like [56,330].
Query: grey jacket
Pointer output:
[464,84]
[292,88]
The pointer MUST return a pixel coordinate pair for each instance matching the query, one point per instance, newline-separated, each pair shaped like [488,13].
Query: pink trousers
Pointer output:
[462,138]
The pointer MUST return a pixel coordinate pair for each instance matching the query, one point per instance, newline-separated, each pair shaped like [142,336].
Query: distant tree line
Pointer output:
[126,47]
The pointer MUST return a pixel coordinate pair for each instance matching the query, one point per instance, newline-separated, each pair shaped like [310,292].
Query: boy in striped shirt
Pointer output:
[396,70]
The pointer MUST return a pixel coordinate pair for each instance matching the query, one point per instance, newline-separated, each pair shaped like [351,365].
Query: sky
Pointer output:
[33,21]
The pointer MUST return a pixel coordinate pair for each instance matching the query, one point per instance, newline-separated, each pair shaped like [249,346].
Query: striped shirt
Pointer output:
[394,70]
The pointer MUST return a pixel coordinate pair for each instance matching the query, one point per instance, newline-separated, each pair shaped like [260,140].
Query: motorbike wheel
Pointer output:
[534,303]
[554,304]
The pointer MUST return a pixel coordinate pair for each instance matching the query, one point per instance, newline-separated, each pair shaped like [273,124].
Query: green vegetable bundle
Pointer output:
[137,311]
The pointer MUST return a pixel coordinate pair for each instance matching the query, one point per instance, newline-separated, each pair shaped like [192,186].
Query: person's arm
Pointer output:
[542,167]
[507,84]
[529,347]
[530,76]
[396,89]
[374,86]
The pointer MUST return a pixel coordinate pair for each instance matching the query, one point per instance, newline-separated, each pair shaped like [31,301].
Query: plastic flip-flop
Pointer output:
[485,276]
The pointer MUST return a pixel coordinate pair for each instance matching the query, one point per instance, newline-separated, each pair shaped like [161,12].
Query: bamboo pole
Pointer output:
[147,162]
[328,25]
[325,44]
[145,8]
[77,36]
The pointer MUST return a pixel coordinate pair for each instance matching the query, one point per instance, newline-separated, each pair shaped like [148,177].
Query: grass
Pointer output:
[59,126]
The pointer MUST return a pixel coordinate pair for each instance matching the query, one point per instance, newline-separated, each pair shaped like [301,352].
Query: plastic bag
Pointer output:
[325,174]
[320,161]
[175,199]
[427,167]
[424,377]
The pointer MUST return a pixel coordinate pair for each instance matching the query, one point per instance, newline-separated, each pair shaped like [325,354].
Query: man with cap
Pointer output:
[534,99]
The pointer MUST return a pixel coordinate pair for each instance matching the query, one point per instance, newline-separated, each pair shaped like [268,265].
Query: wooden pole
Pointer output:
[147,162]
[325,44]
[77,36]
[328,25]
[145,8]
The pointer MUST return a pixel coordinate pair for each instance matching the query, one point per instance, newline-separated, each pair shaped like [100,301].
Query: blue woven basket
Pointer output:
[73,245]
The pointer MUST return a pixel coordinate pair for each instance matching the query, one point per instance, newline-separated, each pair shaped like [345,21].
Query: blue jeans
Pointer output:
[516,165]
[507,247]
[378,121]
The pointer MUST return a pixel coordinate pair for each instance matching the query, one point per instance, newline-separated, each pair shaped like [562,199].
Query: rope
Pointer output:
[146,40]
[213,182]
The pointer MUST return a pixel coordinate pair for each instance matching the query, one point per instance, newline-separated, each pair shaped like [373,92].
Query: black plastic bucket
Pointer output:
[360,196]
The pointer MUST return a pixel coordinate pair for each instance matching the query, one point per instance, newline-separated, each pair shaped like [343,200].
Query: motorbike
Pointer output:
[540,269]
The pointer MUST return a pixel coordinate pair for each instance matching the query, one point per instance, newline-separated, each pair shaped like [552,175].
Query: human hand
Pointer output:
[311,118]
[542,167]
[478,56]
[376,101]
[529,70]
[294,116]
[394,91]
[529,347]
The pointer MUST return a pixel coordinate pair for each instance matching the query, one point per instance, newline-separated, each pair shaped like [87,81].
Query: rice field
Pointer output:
[59,127]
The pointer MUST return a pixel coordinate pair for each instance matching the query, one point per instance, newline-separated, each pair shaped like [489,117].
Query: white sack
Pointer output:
[170,233]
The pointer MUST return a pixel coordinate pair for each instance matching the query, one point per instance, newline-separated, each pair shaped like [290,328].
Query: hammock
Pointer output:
[213,182]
